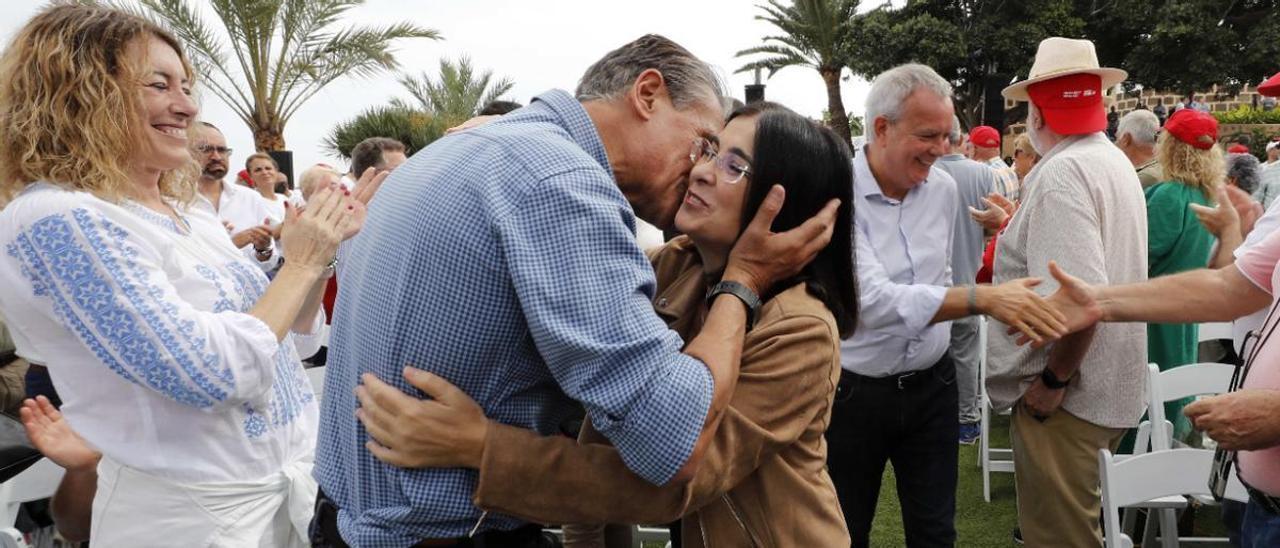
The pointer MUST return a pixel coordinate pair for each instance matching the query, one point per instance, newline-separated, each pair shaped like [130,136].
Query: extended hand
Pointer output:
[447,430]
[53,437]
[1041,401]
[1016,305]
[1075,301]
[1221,218]
[1240,421]
[762,257]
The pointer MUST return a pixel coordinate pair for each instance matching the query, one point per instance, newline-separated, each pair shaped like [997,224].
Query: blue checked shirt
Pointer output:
[504,260]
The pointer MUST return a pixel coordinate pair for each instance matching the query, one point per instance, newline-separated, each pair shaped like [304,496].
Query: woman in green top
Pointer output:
[1176,241]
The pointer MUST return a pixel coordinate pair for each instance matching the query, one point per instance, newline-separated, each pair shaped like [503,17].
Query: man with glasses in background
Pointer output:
[242,210]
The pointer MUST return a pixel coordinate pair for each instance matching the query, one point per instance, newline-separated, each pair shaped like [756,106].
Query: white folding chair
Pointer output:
[35,483]
[1156,433]
[990,459]
[1215,331]
[1151,476]
[316,374]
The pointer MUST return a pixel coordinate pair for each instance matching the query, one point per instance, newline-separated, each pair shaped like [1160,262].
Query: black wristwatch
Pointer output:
[1051,381]
[743,293]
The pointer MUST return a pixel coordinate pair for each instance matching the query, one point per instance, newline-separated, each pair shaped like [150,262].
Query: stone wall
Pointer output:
[1219,100]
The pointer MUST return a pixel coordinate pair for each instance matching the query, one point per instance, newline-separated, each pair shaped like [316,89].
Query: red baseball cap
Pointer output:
[1194,128]
[1072,104]
[1238,149]
[1270,87]
[985,137]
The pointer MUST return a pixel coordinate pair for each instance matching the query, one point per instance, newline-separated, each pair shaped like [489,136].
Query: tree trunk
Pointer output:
[268,137]
[839,120]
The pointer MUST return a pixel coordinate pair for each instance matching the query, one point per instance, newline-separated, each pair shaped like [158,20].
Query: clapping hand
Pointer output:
[368,185]
[998,211]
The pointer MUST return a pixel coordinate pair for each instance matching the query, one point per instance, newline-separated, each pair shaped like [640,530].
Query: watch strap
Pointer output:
[743,293]
[1051,381]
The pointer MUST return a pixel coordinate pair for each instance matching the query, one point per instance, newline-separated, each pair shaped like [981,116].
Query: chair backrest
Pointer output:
[35,483]
[1140,478]
[1215,331]
[1196,379]
[316,374]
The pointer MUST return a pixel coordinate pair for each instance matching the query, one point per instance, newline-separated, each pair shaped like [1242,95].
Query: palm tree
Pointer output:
[458,94]
[282,52]
[812,33]
[411,126]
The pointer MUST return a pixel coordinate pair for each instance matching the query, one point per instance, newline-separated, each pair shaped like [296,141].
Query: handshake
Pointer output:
[1040,320]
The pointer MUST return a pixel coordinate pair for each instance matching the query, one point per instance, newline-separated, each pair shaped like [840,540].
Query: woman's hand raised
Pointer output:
[310,238]
[368,185]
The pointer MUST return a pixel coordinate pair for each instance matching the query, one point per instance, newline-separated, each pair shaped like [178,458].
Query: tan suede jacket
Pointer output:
[763,479]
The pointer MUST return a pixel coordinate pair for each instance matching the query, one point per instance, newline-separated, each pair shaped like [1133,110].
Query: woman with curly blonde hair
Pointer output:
[1176,241]
[172,353]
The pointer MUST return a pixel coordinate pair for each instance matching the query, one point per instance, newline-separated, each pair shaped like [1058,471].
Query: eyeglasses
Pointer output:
[732,166]
[209,149]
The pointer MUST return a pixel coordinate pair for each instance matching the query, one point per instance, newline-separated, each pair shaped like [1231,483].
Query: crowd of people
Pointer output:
[502,354]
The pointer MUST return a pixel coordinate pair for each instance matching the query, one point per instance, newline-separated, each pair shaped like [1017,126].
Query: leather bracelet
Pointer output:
[743,293]
[1051,381]
[973,300]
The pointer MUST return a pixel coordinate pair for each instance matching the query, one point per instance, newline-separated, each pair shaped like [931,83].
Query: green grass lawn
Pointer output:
[979,523]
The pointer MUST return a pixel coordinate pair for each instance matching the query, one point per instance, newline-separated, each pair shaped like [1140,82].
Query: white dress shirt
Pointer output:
[904,270]
[143,324]
[244,208]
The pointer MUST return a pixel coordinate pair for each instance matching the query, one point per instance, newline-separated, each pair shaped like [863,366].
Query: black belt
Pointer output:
[324,532]
[901,381]
[1267,502]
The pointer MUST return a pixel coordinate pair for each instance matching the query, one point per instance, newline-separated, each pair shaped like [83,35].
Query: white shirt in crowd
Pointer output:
[243,208]
[1083,208]
[144,326]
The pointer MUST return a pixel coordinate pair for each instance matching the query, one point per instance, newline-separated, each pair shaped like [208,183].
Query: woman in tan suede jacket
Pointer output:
[763,481]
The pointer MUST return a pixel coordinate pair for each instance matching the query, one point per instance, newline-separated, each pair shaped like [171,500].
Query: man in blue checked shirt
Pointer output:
[504,260]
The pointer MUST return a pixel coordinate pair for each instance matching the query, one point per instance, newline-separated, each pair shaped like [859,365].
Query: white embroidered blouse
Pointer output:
[143,324]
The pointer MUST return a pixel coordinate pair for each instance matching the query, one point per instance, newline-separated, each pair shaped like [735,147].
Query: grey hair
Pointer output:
[1244,169]
[957,133]
[689,80]
[1143,125]
[892,87]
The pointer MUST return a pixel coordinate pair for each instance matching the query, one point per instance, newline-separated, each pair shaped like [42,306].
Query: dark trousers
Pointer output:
[910,422]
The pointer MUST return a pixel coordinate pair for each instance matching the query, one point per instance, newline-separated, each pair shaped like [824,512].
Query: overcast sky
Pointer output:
[539,44]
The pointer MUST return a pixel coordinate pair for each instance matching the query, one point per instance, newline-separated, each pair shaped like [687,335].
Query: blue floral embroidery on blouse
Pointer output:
[223,304]
[81,294]
[102,294]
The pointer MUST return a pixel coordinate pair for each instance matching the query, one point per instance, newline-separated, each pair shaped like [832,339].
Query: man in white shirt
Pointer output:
[1085,209]
[245,213]
[897,399]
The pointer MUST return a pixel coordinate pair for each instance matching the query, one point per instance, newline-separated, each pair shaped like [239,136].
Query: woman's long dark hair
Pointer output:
[814,166]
